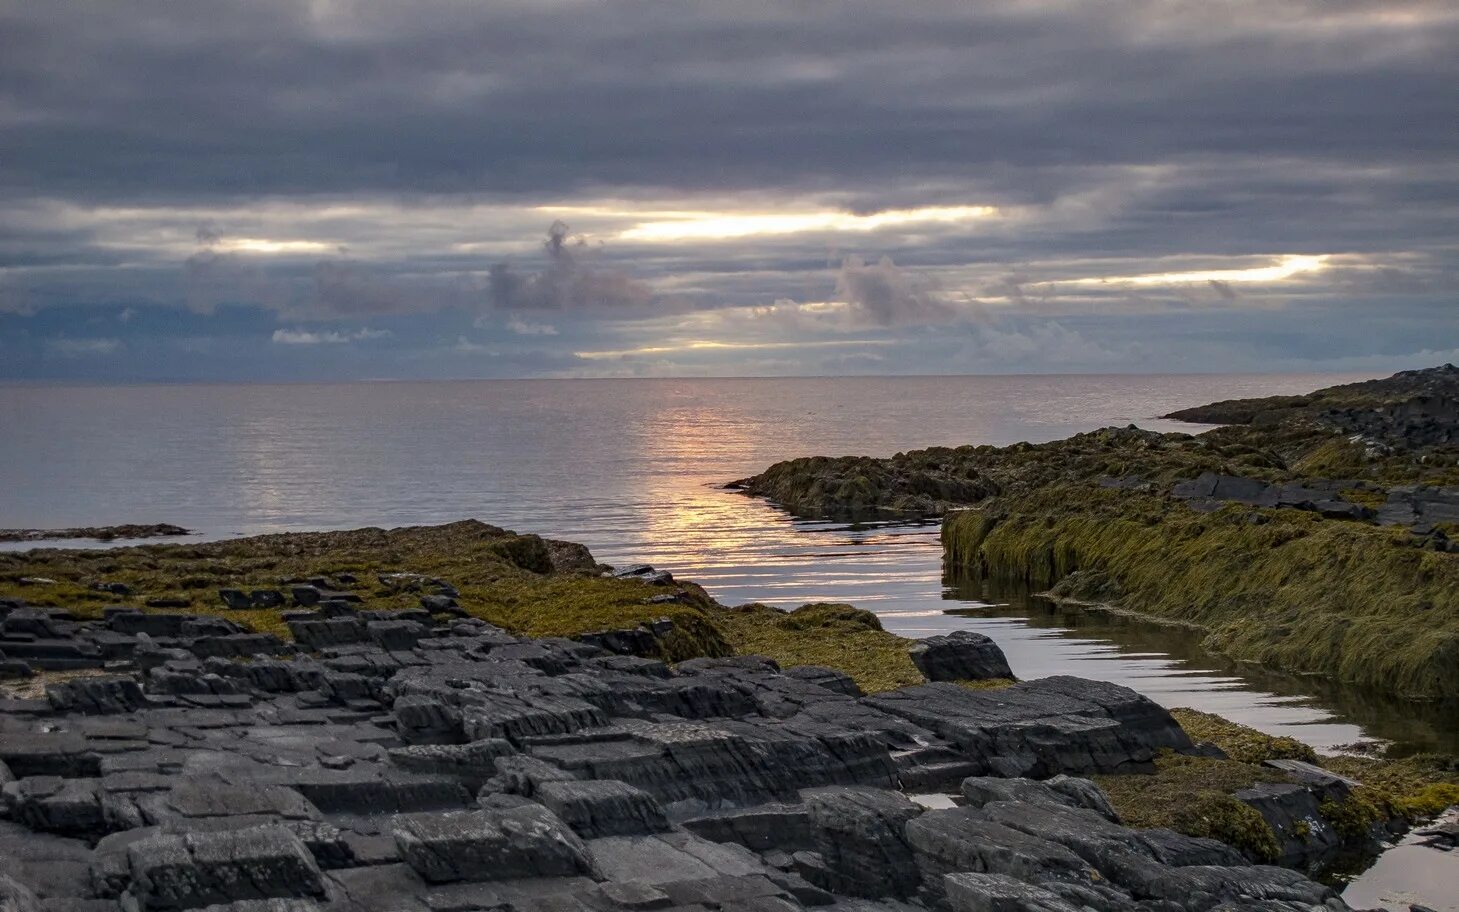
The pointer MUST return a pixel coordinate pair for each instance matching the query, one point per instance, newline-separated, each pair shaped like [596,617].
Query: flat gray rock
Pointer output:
[526,841]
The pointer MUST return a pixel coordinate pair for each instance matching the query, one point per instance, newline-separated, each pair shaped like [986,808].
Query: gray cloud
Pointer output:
[885,295]
[417,141]
[324,289]
[1223,290]
[76,348]
[567,282]
[327,337]
[158,100]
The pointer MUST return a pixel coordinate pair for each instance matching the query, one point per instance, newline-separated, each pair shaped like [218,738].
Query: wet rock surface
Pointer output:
[433,763]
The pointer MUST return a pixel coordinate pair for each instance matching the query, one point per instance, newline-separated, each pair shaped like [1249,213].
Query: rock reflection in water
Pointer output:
[1167,663]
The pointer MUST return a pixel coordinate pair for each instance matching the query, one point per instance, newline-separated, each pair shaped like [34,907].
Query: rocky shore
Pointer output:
[329,722]
[97,533]
[1314,534]
[426,759]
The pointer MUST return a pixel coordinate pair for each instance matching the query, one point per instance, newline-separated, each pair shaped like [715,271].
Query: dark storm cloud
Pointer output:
[160,100]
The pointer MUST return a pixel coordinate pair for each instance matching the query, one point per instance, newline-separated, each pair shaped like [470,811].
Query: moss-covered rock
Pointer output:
[524,583]
[1414,788]
[1194,796]
[1240,742]
[521,582]
[831,634]
[1294,591]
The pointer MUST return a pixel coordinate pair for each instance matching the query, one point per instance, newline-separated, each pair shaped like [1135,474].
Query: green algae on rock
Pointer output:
[839,636]
[523,583]
[1240,742]
[530,585]
[1311,536]
[1197,796]
[1294,591]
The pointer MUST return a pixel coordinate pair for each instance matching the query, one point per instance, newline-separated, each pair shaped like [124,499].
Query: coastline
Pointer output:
[547,588]
[1315,537]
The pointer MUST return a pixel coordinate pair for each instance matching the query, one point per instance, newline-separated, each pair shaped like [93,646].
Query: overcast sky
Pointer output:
[295,190]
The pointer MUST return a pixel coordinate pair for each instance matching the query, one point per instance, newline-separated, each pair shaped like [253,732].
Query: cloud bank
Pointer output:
[265,188]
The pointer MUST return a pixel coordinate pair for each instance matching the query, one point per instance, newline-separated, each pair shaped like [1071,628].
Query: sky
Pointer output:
[281,190]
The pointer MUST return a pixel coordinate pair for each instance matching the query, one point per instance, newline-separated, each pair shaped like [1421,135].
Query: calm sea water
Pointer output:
[633,468]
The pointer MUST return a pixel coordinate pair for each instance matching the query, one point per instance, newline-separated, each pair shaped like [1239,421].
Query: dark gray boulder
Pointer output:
[107,695]
[520,715]
[235,599]
[1327,784]
[48,753]
[323,633]
[962,839]
[14,669]
[832,679]
[472,763]
[50,804]
[963,655]
[693,767]
[396,635]
[1060,791]
[1041,728]
[367,789]
[266,598]
[195,870]
[1294,813]
[492,844]
[522,775]
[859,834]
[209,796]
[1109,847]
[603,807]
[674,858]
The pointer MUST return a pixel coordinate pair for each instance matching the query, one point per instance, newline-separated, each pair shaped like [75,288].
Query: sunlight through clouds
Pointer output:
[711,345]
[722,226]
[1286,268]
[264,245]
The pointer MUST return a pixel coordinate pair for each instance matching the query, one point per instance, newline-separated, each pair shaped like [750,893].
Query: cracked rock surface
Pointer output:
[432,763]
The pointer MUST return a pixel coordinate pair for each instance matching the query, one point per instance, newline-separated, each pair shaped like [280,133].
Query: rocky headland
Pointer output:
[460,718]
[1314,534]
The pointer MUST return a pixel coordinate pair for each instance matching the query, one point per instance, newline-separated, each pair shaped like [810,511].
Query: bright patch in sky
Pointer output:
[1288,266]
[715,226]
[264,245]
[709,345]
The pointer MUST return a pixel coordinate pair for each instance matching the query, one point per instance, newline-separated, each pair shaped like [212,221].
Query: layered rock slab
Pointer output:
[448,766]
